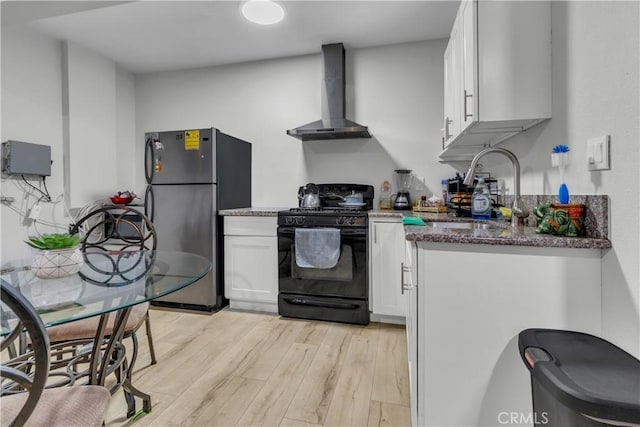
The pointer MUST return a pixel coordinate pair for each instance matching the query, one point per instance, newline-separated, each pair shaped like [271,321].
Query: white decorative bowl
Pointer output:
[54,263]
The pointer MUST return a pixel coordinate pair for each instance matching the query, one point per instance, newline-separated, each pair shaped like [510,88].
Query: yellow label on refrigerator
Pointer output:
[192,140]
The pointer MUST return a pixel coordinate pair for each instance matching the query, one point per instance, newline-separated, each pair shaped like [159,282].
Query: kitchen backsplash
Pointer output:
[597,212]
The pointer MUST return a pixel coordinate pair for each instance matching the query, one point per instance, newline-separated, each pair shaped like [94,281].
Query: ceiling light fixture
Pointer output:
[263,12]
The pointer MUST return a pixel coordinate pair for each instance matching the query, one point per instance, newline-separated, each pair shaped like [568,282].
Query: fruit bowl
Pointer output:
[122,198]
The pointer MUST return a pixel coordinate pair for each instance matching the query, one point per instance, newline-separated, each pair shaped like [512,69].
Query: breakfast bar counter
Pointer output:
[496,235]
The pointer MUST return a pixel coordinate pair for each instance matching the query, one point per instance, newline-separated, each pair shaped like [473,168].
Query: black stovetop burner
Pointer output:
[332,211]
[328,211]
[332,196]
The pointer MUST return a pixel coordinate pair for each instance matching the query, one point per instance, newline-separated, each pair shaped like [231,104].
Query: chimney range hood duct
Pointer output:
[333,124]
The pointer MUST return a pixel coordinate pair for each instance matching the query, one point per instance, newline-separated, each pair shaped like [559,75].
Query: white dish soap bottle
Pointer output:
[481,201]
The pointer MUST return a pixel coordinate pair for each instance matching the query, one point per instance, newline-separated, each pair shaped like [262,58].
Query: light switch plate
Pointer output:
[598,153]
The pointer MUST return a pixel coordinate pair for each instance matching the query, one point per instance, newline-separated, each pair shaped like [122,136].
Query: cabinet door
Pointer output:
[453,84]
[448,94]
[470,370]
[387,256]
[251,268]
[411,326]
[468,66]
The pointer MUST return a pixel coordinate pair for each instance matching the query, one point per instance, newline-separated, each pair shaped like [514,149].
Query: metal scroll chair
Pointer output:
[109,230]
[25,401]
[104,230]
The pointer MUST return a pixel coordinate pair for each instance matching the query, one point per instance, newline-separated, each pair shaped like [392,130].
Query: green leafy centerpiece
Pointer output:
[56,255]
[561,220]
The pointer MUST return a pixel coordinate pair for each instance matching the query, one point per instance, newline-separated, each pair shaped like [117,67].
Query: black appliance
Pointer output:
[338,294]
[124,225]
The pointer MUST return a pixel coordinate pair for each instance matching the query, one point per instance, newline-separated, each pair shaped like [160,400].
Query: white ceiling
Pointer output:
[147,36]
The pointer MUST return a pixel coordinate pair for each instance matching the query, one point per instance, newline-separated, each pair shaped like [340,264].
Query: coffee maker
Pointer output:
[404,180]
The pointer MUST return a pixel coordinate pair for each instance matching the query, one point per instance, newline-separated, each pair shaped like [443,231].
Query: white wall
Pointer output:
[31,112]
[125,159]
[595,75]
[395,90]
[66,98]
[91,98]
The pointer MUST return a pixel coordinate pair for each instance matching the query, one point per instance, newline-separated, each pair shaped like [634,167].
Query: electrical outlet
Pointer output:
[598,153]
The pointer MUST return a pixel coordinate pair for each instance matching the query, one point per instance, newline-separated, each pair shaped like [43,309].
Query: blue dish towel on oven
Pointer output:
[317,247]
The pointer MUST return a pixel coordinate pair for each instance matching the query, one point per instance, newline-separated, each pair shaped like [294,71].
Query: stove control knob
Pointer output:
[299,220]
[340,220]
[288,220]
[352,220]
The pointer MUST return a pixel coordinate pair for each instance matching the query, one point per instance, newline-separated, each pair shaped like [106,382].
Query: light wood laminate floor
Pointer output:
[247,369]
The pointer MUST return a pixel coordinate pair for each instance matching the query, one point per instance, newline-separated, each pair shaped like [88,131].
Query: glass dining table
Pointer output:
[108,285]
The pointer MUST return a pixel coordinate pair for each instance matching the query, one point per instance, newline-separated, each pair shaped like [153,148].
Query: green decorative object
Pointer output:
[53,241]
[560,219]
[56,255]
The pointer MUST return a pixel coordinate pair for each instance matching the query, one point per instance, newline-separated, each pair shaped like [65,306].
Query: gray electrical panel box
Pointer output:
[23,158]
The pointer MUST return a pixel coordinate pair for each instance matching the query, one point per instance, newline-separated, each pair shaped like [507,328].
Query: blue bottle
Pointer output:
[481,201]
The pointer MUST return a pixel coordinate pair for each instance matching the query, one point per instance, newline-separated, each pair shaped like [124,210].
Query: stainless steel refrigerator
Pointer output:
[191,174]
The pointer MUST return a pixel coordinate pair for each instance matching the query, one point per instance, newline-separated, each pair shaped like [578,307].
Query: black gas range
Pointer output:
[337,293]
[323,217]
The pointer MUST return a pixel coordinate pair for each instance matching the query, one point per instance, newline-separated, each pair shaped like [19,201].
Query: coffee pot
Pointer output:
[403,179]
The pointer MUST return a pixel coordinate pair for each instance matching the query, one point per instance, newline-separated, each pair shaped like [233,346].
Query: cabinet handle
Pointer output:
[447,122]
[404,287]
[375,234]
[466,95]
[404,269]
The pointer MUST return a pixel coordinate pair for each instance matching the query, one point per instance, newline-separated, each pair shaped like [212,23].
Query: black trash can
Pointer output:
[580,380]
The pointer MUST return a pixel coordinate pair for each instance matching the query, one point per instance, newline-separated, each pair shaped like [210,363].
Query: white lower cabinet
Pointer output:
[251,263]
[387,248]
[410,282]
[472,302]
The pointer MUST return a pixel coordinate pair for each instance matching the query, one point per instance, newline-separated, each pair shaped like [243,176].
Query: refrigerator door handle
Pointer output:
[149,203]
[148,160]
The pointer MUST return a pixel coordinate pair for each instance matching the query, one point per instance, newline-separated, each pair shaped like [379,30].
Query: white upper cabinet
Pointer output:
[452,83]
[497,74]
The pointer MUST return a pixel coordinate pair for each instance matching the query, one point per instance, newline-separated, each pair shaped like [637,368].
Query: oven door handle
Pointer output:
[323,304]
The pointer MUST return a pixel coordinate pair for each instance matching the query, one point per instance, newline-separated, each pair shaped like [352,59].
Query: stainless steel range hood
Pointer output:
[333,124]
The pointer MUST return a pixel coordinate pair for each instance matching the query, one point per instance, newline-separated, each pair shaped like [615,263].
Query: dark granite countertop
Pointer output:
[526,236]
[596,226]
[251,211]
[502,236]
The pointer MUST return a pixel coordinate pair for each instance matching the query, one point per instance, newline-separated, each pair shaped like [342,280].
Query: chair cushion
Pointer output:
[64,407]
[86,328]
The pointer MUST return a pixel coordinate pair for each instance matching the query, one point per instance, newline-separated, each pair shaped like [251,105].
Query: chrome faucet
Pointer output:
[518,212]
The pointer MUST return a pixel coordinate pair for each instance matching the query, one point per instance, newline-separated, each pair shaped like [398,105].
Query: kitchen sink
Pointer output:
[466,225]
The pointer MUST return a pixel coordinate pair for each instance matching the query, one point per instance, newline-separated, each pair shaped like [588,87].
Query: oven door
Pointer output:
[335,294]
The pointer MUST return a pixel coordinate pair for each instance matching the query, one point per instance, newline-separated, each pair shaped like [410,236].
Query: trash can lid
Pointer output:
[585,373]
